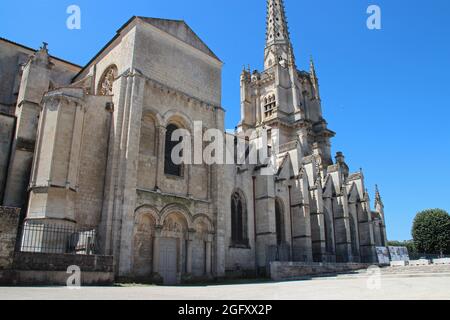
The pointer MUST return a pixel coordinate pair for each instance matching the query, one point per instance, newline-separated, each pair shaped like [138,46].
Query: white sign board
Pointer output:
[383,255]
[399,253]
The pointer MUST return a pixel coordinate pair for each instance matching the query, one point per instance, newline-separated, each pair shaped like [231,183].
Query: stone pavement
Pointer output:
[348,287]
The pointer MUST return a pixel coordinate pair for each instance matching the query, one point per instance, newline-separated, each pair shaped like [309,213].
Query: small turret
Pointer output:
[245,99]
[314,79]
[379,206]
[340,159]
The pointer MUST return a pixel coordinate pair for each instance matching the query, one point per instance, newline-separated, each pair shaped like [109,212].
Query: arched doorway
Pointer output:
[144,230]
[172,248]
[199,250]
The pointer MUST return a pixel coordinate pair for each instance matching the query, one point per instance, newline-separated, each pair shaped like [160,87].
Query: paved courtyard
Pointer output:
[398,287]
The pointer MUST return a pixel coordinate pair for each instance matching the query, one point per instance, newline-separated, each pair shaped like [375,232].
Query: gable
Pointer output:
[328,189]
[180,30]
[176,28]
[285,169]
[353,195]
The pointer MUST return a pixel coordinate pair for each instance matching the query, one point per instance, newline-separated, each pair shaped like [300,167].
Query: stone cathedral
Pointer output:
[89,146]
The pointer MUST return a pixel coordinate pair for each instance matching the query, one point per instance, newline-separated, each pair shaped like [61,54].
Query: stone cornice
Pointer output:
[208,106]
[59,95]
[22,102]
[164,194]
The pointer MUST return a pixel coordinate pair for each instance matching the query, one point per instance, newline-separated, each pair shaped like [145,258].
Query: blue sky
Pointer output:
[386,93]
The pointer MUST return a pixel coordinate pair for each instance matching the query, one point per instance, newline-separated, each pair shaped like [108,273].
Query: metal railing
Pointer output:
[52,238]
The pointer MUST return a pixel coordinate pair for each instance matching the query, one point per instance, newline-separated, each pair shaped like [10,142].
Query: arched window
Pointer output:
[353,236]
[238,220]
[328,224]
[170,168]
[279,220]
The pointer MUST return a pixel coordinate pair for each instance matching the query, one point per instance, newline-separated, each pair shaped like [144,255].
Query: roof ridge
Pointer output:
[32,49]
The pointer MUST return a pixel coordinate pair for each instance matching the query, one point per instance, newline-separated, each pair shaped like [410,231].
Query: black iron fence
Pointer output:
[52,238]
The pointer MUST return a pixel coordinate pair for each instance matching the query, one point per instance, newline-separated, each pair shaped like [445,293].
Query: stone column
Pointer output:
[301,222]
[266,234]
[160,155]
[208,255]
[367,237]
[355,247]
[128,169]
[330,230]
[189,253]
[220,205]
[342,227]
[317,224]
[156,250]
[188,168]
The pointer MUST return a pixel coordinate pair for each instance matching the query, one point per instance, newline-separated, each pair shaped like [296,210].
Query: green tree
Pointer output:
[410,245]
[431,231]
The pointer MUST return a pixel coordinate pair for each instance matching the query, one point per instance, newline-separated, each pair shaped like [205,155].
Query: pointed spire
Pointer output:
[277,29]
[379,206]
[314,80]
[277,33]
[377,194]
[312,68]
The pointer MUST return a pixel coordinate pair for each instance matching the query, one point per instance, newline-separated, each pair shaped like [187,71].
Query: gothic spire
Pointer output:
[277,33]
[312,68]
[377,195]
[314,80]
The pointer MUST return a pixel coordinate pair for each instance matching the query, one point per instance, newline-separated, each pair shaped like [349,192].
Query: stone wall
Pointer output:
[9,222]
[168,60]
[51,269]
[7,124]
[294,270]
[60,262]
[45,269]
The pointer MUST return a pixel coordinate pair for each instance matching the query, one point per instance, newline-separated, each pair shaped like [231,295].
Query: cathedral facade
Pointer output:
[91,147]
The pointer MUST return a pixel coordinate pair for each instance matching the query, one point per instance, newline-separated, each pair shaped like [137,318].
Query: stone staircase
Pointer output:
[411,270]
[416,269]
